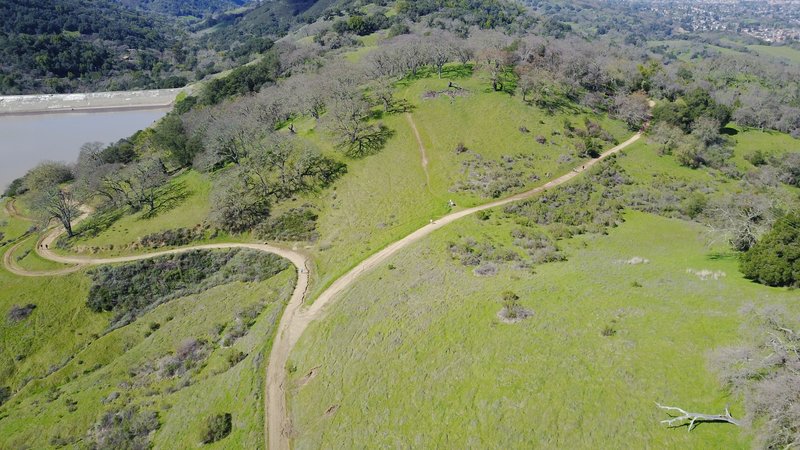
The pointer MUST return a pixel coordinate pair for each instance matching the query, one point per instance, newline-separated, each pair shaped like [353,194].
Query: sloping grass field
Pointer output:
[416,355]
[386,196]
[67,369]
[104,371]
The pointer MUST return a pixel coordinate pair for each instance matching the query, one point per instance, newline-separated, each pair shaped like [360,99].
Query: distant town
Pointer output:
[769,20]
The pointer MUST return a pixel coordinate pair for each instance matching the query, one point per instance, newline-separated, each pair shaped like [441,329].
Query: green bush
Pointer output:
[217,428]
[298,224]
[5,394]
[775,259]
[131,289]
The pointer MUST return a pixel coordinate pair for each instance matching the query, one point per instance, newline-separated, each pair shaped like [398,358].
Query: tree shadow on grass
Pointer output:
[449,72]
[459,71]
[99,222]
[722,256]
[401,106]
[167,198]
[397,107]
[369,143]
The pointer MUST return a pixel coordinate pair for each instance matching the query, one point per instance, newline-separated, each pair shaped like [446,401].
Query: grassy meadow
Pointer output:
[67,369]
[416,355]
[106,371]
[386,196]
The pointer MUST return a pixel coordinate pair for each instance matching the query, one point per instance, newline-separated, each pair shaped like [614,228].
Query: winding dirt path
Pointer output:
[273,404]
[296,319]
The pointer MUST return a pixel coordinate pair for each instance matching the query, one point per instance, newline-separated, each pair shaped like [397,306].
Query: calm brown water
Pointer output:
[28,140]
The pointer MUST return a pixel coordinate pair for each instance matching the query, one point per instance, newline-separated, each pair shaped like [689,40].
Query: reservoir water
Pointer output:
[28,140]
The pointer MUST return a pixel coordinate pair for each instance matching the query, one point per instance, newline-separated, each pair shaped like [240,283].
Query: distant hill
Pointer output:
[96,45]
[183,8]
[60,46]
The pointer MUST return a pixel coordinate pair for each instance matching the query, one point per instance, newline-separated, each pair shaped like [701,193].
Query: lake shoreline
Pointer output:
[89,110]
[23,105]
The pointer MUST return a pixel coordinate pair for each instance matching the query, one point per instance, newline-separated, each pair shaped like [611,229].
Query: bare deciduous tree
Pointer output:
[766,371]
[634,109]
[348,121]
[741,218]
[382,89]
[143,180]
[52,202]
[440,49]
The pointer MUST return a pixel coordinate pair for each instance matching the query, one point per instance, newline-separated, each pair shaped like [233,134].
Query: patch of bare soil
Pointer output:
[308,377]
[331,410]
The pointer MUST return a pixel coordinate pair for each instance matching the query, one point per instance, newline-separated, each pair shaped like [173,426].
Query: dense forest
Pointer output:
[96,45]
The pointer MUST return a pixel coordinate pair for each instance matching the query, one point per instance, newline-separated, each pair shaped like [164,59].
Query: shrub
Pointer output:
[236,357]
[19,313]
[131,289]
[172,238]
[16,187]
[540,247]
[244,320]
[461,148]
[486,270]
[512,311]
[588,205]
[128,428]
[608,331]
[694,205]
[775,259]
[187,356]
[298,224]
[493,178]
[757,158]
[510,302]
[217,428]
[5,394]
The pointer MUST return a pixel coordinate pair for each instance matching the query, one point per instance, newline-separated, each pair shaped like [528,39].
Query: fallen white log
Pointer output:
[695,418]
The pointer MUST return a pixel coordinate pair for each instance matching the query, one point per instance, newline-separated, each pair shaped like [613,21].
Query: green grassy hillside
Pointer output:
[67,370]
[415,353]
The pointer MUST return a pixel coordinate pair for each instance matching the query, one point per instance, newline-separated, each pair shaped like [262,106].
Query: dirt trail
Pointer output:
[11,209]
[279,423]
[274,383]
[295,320]
[423,153]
